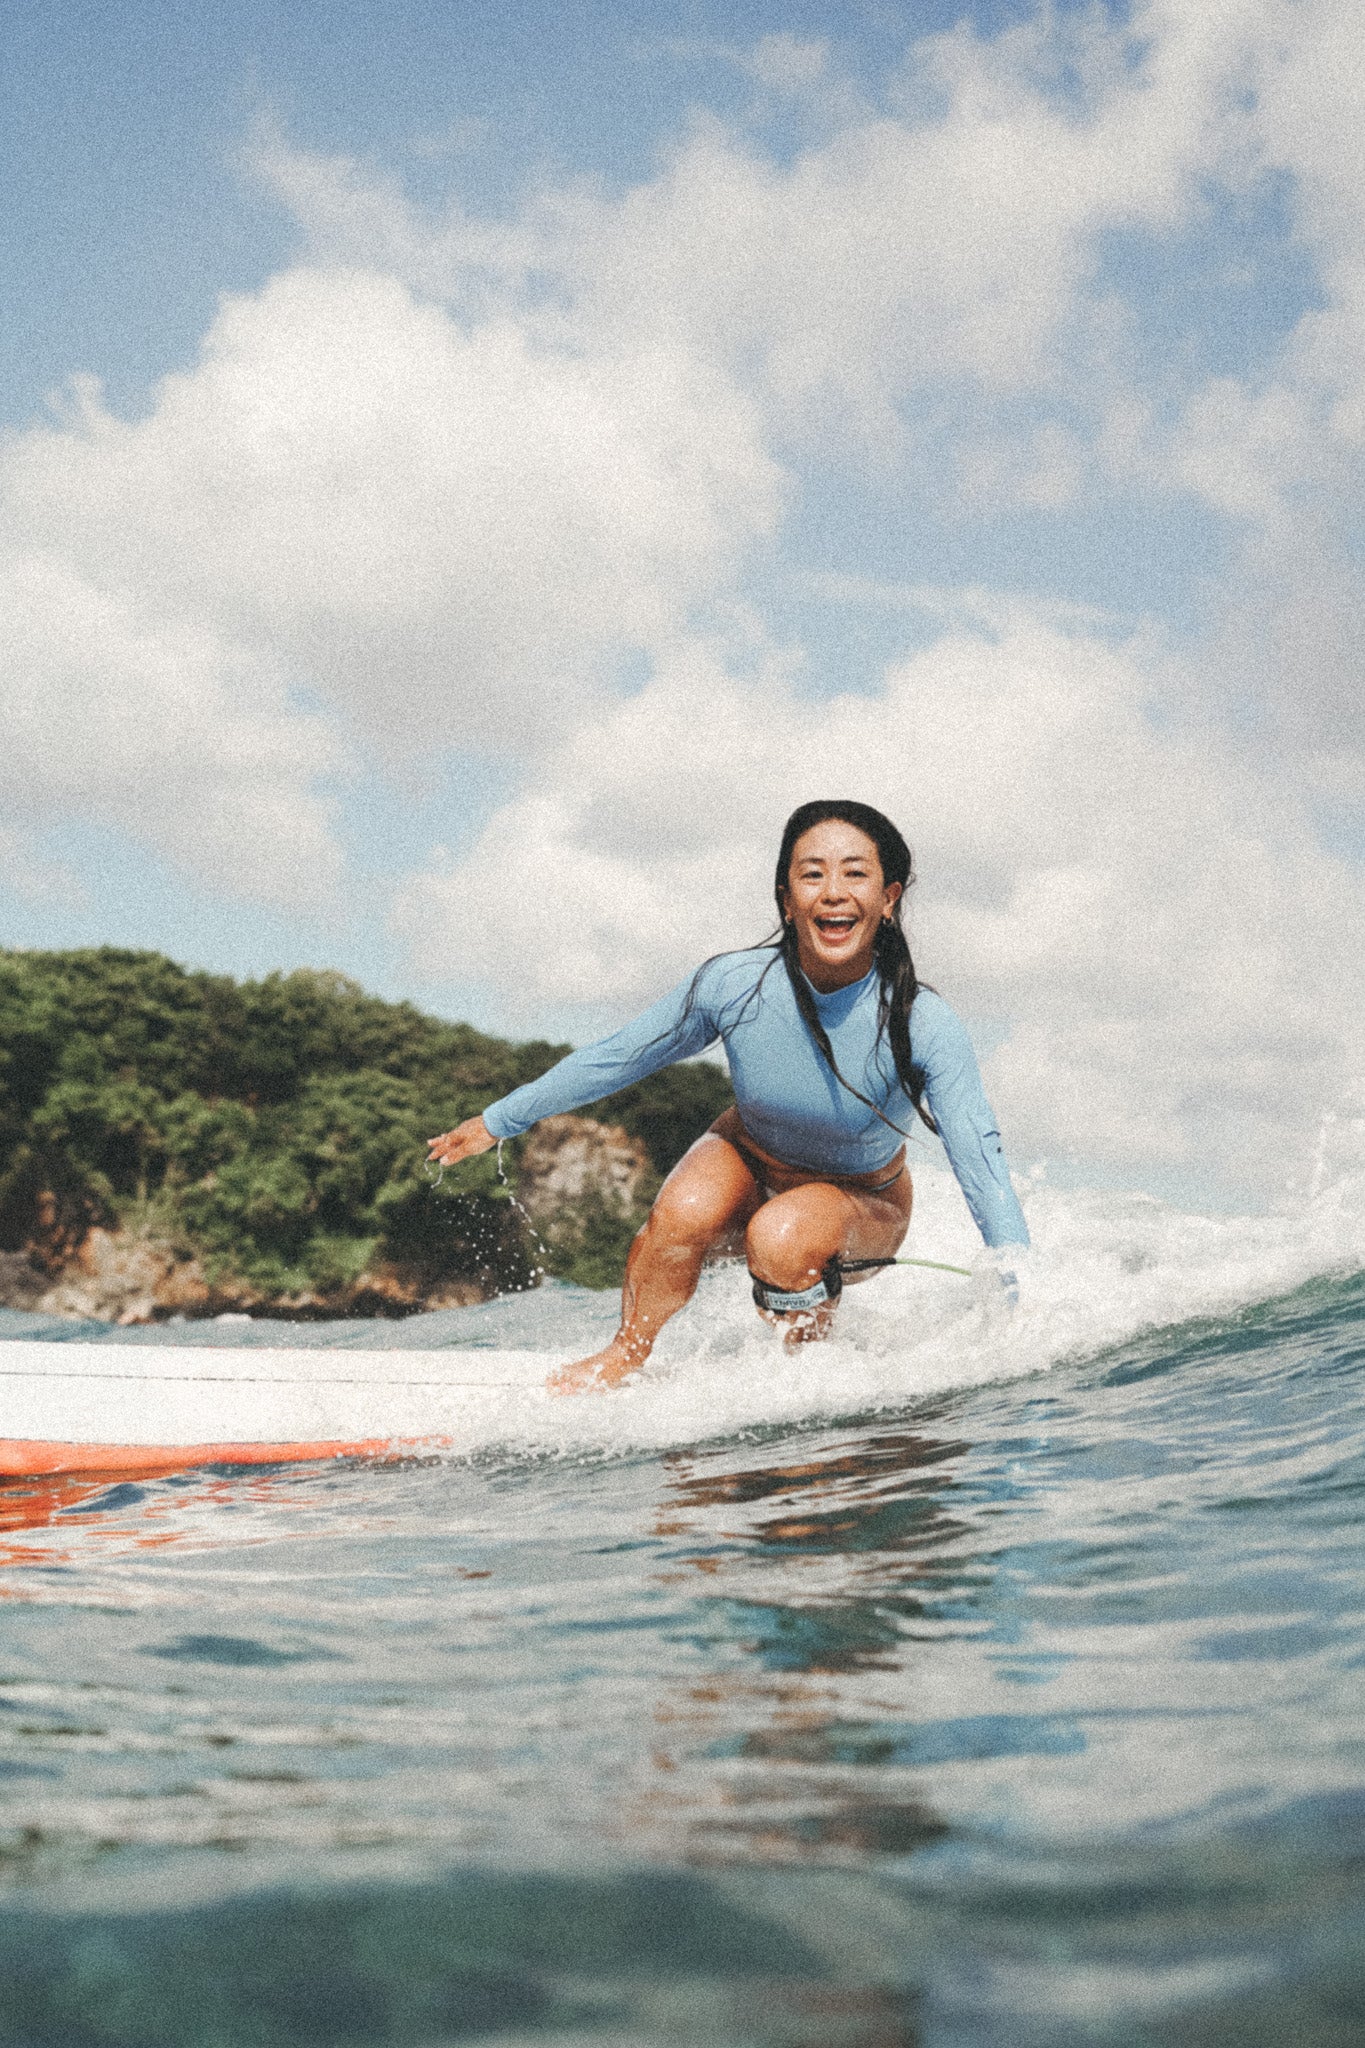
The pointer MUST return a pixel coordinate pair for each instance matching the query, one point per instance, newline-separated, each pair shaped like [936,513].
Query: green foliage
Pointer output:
[588,1241]
[276,1127]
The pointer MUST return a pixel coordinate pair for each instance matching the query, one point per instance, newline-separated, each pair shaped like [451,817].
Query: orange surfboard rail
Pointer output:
[24,1458]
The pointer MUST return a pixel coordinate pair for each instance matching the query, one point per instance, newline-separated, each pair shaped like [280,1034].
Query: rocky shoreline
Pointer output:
[570,1169]
[120,1276]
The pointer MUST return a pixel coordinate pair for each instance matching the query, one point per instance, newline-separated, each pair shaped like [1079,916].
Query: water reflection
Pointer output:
[839,1491]
[857,1540]
[818,1580]
[121,1515]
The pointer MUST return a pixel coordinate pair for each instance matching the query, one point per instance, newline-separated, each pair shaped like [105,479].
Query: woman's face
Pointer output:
[836,896]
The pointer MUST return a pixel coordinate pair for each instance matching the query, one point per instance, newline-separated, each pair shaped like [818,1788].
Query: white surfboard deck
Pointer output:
[72,1407]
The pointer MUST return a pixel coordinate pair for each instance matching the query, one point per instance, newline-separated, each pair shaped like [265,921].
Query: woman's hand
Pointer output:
[466,1141]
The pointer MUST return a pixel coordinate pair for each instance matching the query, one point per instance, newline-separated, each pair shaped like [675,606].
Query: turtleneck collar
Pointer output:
[836,1004]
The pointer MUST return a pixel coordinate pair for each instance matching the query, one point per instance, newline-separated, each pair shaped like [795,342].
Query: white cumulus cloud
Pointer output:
[444,537]
[1143,921]
[949,233]
[160,727]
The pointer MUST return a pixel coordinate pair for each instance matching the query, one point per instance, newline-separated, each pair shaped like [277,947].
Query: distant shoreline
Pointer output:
[179,1143]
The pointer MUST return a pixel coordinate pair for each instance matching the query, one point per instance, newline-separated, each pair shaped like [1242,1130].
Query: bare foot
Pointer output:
[805,1328]
[802,1325]
[594,1375]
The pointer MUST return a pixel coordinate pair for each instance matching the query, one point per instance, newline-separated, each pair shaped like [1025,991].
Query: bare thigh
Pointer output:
[792,1237]
[715,1202]
[708,1198]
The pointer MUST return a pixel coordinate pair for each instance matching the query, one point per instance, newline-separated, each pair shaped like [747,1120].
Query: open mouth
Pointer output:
[835,928]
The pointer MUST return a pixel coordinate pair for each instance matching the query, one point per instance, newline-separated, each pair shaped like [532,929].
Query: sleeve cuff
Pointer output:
[497,1123]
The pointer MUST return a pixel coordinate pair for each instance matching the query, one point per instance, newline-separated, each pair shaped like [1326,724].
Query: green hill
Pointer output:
[277,1129]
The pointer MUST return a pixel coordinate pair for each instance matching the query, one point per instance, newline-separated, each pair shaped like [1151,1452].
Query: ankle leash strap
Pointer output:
[780,1301]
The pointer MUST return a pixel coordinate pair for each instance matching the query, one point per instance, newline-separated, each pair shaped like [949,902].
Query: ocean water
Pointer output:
[978,1678]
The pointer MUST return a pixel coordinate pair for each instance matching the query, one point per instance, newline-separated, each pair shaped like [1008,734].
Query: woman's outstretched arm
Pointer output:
[680,1025]
[677,1027]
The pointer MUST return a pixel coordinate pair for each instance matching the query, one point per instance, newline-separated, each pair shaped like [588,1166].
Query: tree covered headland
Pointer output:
[277,1129]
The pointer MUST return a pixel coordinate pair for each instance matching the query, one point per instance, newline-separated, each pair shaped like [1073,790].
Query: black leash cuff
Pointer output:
[781,1301]
[828,1287]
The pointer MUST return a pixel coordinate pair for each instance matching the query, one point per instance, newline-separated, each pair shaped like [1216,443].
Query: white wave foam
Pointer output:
[1105,1268]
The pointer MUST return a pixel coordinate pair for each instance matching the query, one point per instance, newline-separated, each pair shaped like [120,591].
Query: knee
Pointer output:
[785,1248]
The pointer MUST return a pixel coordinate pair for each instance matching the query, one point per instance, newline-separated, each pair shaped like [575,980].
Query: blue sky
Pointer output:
[467,472]
[122,128]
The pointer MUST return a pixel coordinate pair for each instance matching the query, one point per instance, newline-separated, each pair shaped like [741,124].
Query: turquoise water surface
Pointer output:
[982,1679]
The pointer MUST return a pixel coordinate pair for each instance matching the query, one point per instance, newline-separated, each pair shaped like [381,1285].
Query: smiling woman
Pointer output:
[830,1058]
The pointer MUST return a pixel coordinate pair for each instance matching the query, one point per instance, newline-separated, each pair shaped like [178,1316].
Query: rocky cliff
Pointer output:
[179,1143]
[574,1177]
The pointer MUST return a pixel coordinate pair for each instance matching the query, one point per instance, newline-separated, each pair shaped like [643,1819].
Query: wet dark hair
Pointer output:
[898,982]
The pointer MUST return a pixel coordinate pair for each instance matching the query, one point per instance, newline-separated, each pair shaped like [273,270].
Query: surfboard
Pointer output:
[148,1408]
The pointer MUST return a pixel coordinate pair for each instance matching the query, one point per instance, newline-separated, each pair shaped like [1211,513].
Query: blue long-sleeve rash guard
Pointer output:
[790,1102]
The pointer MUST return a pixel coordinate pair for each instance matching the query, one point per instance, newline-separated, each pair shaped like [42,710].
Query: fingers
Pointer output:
[464,1142]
